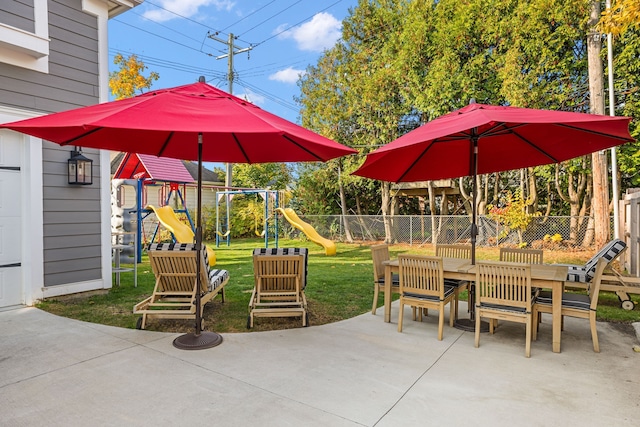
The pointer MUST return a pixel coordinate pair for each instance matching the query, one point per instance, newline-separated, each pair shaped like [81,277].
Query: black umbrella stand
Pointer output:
[200,339]
[470,323]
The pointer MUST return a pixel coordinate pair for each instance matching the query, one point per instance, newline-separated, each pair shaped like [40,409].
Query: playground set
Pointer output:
[270,224]
[132,204]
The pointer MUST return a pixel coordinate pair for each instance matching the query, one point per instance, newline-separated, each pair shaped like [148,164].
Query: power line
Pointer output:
[148,60]
[272,16]
[247,16]
[159,36]
[295,25]
[271,97]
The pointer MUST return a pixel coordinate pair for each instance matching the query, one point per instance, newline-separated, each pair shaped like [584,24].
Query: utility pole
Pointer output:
[232,50]
[614,157]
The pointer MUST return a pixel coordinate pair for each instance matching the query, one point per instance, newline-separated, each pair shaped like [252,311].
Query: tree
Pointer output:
[600,202]
[622,15]
[514,214]
[128,80]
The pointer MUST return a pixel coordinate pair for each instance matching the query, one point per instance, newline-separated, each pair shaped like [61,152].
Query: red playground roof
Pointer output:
[139,166]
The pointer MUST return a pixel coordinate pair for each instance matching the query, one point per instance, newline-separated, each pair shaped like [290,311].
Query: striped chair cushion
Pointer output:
[577,274]
[455,283]
[579,301]
[395,280]
[448,290]
[287,251]
[503,307]
[216,276]
[585,274]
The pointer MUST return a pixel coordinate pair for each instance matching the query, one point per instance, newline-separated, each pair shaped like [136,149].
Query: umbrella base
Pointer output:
[197,342]
[470,325]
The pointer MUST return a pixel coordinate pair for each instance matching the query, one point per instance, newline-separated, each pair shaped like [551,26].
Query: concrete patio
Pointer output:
[358,372]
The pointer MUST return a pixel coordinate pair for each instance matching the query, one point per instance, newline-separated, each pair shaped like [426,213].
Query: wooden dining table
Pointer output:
[546,276]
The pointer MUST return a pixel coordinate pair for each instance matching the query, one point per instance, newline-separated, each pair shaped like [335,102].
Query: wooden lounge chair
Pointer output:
[503,292]
[422,286]
[575,305]
[581,275]
[379,254]
[280,279]
[174,294]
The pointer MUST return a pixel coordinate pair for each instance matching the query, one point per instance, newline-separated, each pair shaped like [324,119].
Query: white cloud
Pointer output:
[320,33]
[187,8]
[288,75]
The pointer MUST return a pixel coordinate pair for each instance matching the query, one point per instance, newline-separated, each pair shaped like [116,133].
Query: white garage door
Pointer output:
[11,286]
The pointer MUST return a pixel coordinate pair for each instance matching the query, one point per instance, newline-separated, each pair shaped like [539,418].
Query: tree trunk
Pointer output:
[600,198]
[533,191]
[584,213]
[432,209]
[343,202]
[386,210]
[576,185]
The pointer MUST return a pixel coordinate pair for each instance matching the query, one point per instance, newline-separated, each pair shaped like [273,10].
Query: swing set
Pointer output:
[270,223]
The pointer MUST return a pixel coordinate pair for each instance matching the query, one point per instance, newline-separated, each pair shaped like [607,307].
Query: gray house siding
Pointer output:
[18,14]
[71,213]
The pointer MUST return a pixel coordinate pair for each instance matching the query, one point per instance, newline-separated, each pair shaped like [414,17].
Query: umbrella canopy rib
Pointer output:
[166,144]
[594,132]
[241,148]
[72,141]
[302,147]
[424,152]
[536,147]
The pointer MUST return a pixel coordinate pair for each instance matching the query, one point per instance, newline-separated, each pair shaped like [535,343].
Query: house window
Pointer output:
[27,46]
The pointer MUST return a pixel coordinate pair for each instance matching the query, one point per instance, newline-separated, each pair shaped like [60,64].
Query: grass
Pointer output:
[339,287]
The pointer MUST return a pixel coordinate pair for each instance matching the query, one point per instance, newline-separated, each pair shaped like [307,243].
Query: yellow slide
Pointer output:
[181,231]
[328,245]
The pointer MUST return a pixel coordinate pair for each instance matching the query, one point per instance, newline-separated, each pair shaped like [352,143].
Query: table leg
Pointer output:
[556,304]
[387,293]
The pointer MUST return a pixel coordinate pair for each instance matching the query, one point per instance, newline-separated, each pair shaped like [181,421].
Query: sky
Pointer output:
[184,39]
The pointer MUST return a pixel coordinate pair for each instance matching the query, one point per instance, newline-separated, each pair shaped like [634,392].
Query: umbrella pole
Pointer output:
[470,323]
[200,339]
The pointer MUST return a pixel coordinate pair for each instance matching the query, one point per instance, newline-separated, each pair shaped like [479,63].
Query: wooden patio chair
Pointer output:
[455,251]
[174,293]
[279,287]
[525,256]
[379,254]
[575,305]
[422,286]
[503,292]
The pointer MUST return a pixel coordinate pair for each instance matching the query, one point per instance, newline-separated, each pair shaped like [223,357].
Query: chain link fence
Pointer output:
[447,229]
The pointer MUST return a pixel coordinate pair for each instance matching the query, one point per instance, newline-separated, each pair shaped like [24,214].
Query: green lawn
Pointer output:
[338,288]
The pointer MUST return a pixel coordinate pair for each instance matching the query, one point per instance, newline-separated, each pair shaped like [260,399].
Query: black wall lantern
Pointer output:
[80,169]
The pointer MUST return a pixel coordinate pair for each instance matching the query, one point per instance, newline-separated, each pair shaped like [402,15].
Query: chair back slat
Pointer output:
[421,275]
[525,256]
[278,276]
[454,251]
[176,270]
[379,253]
[507,284]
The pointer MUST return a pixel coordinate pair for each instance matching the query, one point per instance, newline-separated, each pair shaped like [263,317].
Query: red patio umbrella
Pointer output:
[190,122]
[480,139]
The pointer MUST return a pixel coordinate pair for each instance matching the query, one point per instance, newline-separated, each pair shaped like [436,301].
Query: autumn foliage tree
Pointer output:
[622,15]
[129,79]
[514,214]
